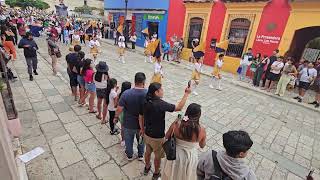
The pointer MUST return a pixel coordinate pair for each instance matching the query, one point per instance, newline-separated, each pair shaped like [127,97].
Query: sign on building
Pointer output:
[153,17]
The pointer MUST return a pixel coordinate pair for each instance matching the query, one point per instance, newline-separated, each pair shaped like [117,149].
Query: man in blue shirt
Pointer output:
[30,48]
[131,102]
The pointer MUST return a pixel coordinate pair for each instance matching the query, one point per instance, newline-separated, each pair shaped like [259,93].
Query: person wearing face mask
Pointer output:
[30,48]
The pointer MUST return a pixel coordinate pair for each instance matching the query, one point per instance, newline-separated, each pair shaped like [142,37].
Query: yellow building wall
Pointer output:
[202,10]
[303,14]
[251,11]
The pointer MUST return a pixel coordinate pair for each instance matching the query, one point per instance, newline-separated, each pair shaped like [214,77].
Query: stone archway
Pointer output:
[301,39]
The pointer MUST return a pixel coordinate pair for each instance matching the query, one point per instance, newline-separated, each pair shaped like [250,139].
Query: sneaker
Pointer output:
[146,170]
[195,93]
[31,78]
[219,89]
[210,86]
[317,105]
[296,97]
[140,158]
[35,72]
[314,102]
[114,132]
[156,176]
[123,144]
[129,158]
[299,100]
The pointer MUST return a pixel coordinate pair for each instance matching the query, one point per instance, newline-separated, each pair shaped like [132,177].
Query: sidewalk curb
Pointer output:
[231,81]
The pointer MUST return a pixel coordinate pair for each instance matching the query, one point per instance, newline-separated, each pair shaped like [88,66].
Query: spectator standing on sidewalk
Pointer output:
[166,49]
[133,40]
[307,77]
[30,48]
[153,116]
[72,70]
[131,102]
[274,75]
[190,134]
[272,59]
[261,67]
[244,63]
[101,80]
[317,86]
[53,49]
[229,163]
[289,71]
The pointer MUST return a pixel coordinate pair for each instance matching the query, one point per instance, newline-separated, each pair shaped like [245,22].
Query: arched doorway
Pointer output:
[195,30]
[301,39]
[238,33]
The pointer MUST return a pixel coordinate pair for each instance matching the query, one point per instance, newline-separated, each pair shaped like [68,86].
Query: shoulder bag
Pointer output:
[169,146]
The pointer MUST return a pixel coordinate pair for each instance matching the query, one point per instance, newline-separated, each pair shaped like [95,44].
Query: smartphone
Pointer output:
[311,172]
[189,84]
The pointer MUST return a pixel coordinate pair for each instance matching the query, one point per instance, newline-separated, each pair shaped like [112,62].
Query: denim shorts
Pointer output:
[90,87]
[80,80]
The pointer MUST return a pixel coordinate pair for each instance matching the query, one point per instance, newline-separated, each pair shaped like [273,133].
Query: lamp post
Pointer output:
[125,22]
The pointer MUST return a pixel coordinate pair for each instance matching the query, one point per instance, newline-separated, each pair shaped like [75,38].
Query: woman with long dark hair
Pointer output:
[189,135]
[88,73]
[101,80]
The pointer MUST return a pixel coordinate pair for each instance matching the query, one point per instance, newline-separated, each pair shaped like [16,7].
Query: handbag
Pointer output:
[169,147]
[239,70]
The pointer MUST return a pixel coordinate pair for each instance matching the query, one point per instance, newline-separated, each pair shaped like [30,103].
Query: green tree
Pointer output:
[25,3]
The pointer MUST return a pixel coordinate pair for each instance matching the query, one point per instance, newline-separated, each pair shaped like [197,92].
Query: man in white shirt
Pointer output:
[307,77]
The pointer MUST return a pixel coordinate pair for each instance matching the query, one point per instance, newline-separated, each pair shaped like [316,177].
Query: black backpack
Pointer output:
[218,172]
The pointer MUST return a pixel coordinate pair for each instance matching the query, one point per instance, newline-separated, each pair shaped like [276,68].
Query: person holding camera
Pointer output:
[153,115]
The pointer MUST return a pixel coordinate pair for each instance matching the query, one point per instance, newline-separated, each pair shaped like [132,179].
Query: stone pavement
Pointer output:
[286,135]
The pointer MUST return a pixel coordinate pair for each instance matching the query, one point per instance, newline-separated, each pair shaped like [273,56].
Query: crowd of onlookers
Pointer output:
[281,73]
[141,110]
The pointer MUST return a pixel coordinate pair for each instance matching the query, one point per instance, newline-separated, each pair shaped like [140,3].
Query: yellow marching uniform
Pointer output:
[196,72]
[217,69]
[157,76]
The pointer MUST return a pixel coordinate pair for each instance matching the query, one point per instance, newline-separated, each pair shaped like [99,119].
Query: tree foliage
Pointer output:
[87,9]
[25,3]
[314,44]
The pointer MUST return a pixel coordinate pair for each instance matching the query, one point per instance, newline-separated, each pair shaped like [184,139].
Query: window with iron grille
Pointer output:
[195,29]
[238,34]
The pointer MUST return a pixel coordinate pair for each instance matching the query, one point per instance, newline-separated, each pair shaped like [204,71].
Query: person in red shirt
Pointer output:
[53,31]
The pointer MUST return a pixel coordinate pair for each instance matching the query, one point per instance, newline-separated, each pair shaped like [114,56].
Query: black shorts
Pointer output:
[73,79]
[304,85]
[101,93]
[273,77]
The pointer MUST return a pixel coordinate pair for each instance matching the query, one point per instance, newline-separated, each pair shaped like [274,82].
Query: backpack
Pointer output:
[218,172]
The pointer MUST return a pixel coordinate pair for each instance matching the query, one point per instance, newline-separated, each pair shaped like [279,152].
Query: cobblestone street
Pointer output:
[77,147]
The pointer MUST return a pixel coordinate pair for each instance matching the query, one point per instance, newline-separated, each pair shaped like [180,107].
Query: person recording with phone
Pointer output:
[153,113]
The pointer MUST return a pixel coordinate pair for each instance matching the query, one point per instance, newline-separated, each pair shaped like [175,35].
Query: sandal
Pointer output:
[98,117]
[103,122]
[146,170]
[92,112]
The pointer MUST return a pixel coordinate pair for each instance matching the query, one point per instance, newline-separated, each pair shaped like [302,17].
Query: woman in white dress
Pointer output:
[189,135]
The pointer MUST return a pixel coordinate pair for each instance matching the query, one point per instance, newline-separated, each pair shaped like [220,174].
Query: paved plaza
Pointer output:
[77,147]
